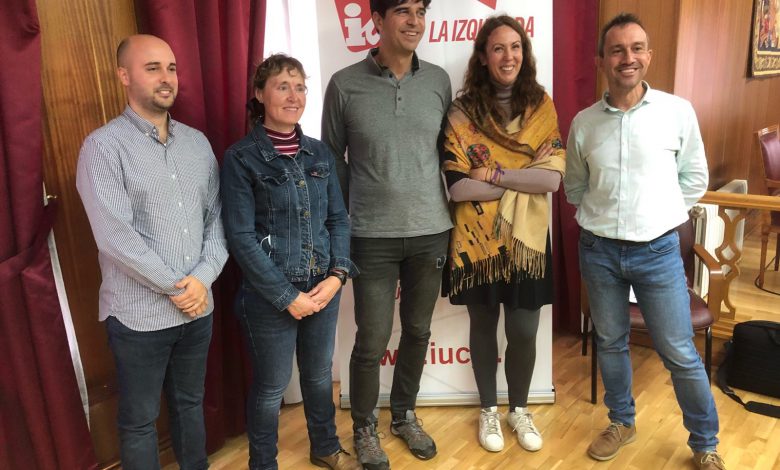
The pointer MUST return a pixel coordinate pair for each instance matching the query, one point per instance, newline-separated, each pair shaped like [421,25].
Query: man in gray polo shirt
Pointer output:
[385,112]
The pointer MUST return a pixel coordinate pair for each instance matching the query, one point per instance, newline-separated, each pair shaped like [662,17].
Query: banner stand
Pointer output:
[448,378]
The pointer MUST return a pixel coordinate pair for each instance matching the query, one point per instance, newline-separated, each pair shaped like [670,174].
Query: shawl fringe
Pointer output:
[523,258]
[526,262]
[483,271]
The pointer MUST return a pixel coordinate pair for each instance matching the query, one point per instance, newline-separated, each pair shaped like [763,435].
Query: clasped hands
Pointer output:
[195,298]
[309,303]
[488,174]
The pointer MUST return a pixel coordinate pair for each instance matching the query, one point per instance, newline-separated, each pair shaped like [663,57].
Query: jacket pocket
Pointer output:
[318,176]
[273,212]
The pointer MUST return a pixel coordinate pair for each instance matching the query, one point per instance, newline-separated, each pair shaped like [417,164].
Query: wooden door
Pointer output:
[81,93]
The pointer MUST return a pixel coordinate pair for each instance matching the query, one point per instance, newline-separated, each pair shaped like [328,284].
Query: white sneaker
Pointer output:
[521,422]
[490,436]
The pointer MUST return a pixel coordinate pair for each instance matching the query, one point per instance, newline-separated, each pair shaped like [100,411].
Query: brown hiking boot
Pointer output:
[609,442]
[709,460]
[338,461]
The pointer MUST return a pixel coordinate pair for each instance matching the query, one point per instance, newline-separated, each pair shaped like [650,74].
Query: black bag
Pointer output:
[753,363]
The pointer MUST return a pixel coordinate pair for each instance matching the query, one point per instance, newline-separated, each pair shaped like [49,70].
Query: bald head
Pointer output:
[146,67]
[126,46]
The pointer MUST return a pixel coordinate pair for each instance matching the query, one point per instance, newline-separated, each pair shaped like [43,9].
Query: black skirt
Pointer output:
[519,292]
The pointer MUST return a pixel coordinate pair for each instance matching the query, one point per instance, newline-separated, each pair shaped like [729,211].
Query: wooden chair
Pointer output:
[769,142]
[704,313]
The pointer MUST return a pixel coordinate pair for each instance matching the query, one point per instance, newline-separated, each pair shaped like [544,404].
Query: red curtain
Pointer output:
[217,44]
[575,33]
[42,421]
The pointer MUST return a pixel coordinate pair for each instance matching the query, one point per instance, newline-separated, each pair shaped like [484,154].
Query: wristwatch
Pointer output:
[341,275]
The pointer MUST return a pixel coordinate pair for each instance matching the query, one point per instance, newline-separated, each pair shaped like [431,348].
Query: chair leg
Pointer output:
[593,366]
[585,334]
[777,252]
[762,265]
[708,352]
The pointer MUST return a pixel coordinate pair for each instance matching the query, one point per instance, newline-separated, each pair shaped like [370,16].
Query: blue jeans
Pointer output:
[272,337]
[655,270]
[148,362]
[418,263]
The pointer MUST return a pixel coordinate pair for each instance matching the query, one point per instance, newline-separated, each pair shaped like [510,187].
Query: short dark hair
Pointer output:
[621,19]
[271,67]
[381,6]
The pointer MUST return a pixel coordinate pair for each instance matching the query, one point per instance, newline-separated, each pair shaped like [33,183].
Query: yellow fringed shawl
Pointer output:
[492,240]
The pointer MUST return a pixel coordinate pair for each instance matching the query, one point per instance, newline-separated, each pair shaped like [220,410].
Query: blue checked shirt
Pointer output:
[154,209]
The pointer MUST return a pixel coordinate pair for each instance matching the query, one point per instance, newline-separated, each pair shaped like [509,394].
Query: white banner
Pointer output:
[346,33]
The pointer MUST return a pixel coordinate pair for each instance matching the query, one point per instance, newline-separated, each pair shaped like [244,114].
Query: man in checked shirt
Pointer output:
[150,187]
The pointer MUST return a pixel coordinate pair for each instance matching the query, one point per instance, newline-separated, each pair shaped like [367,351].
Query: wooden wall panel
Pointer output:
[81,93]
[78,39]
[712,64]
[660,20]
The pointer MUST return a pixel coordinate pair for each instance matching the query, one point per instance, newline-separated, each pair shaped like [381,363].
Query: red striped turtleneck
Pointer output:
[286,143]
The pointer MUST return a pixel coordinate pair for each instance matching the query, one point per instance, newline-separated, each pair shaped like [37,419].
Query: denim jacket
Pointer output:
[284,217]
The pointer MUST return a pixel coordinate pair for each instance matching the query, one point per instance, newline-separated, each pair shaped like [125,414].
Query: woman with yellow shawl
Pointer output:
[502,155]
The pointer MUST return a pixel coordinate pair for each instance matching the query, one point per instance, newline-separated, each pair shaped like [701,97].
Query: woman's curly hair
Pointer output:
[478,94]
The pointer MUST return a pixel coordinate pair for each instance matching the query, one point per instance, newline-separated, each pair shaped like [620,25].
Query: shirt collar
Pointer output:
[646,98]
[145,126]
[381,69]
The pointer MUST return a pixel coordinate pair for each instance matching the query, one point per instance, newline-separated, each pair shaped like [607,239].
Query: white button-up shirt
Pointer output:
[634,175]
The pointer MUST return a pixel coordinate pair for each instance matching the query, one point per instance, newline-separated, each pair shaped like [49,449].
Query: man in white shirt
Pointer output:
[635,166]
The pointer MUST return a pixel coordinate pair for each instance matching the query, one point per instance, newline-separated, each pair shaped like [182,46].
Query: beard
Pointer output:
[163,104]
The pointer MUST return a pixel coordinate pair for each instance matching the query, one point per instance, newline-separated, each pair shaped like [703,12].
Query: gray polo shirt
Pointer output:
[388,129]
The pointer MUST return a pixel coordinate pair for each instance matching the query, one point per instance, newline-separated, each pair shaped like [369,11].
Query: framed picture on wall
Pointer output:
[765,39]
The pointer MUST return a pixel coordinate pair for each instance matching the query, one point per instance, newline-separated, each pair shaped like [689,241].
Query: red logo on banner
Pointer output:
[356,25]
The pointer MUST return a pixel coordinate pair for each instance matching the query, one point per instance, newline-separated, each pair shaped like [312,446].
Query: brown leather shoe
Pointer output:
[709,460]
[609,442]
[341,460]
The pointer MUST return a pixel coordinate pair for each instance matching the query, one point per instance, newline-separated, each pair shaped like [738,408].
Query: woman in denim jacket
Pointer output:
[288,230]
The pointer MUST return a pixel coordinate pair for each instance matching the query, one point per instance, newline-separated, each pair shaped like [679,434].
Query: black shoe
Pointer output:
[410,430]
